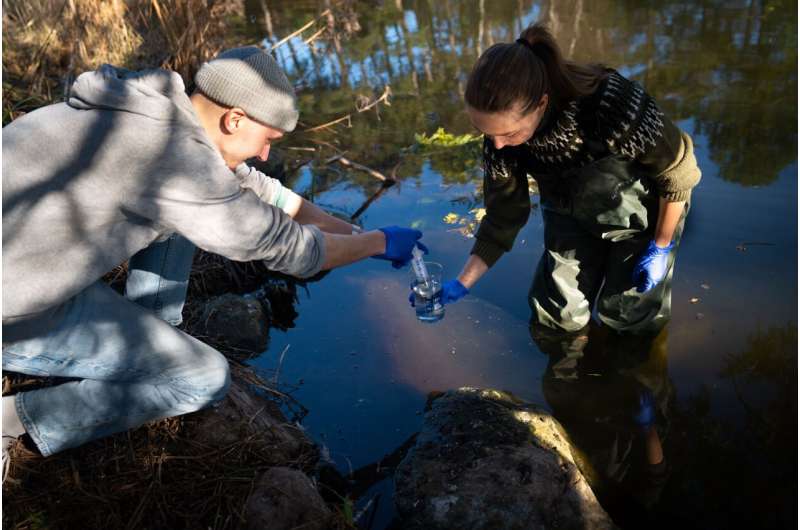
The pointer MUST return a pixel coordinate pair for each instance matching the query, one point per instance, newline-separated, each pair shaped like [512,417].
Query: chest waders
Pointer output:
[598,219]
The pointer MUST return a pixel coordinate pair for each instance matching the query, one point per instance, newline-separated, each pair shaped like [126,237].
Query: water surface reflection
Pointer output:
[727,413]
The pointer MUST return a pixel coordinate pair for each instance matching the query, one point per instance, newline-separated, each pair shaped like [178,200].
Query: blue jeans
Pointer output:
[131,365]
[158,277]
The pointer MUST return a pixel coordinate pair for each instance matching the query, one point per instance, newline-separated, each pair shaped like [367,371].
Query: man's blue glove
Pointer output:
[452,291]
[399,244]
[652,267]
[645,414]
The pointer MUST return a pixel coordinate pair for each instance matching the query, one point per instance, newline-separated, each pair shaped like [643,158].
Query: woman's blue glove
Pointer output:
[652,267]
[452,291]
[399,244]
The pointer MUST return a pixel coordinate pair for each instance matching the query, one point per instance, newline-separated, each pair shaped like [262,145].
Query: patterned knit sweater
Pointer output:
[620,119]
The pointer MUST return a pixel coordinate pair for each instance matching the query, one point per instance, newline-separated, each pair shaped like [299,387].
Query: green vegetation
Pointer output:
[444,139]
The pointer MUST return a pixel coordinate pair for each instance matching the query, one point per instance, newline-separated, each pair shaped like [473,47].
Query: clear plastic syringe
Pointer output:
[419,268]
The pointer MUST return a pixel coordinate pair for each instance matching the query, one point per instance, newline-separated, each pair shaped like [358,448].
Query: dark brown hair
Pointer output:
[521,72]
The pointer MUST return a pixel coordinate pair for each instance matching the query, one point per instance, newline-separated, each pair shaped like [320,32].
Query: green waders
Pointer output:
[598,220]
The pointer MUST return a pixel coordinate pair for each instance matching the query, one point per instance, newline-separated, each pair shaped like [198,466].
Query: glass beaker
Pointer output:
[428,296]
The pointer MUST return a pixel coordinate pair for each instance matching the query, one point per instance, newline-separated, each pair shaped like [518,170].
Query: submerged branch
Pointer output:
[355,165]
[385,186]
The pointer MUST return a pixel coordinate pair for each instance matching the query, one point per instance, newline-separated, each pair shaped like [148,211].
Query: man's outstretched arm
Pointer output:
[345,249]
[308,213]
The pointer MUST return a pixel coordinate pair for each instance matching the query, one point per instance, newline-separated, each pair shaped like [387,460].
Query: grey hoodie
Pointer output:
[88,183]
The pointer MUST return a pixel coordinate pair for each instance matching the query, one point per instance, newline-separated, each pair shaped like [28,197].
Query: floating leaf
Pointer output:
[479,213]
[466,231]
[451,218]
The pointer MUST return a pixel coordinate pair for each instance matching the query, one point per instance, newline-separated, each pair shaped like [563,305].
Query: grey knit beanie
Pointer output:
[249,78]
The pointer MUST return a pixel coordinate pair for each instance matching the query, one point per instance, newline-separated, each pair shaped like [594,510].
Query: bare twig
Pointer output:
[334,122]
[309,149]
[299,31]
[313,37]
[280,363]
[384,98]
[325,144]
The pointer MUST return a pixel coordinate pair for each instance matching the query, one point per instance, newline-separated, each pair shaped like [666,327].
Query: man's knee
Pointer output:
[209,378]
[220,378]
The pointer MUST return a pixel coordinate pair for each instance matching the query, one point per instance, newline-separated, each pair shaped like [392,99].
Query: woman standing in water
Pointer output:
[614,174]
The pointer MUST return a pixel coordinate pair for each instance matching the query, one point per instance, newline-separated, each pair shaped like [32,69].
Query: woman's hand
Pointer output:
[652,267]
[452,291]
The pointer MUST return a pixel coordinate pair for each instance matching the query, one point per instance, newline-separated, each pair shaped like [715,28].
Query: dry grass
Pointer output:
[47,42]
[157,476]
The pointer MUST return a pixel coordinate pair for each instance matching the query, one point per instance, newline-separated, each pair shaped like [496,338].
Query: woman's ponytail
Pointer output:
[522,72]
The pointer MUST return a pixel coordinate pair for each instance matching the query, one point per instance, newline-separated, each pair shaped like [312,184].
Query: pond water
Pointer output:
[725,71]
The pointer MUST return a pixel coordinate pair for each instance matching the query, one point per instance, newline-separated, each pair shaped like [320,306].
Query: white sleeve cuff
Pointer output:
[291,202]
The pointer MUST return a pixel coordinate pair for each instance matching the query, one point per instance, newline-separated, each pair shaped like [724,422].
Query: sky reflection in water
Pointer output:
[726,74]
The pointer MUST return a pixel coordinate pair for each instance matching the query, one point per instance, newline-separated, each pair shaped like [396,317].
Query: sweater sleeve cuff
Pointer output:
[487,251]
[677,196]
[677,181]
[290,202]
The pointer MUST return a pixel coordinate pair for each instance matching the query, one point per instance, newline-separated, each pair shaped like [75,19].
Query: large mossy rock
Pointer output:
[485,460]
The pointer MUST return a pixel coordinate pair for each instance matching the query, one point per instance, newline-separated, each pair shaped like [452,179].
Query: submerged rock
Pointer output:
[284,498]
[486,460]
[239,322]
